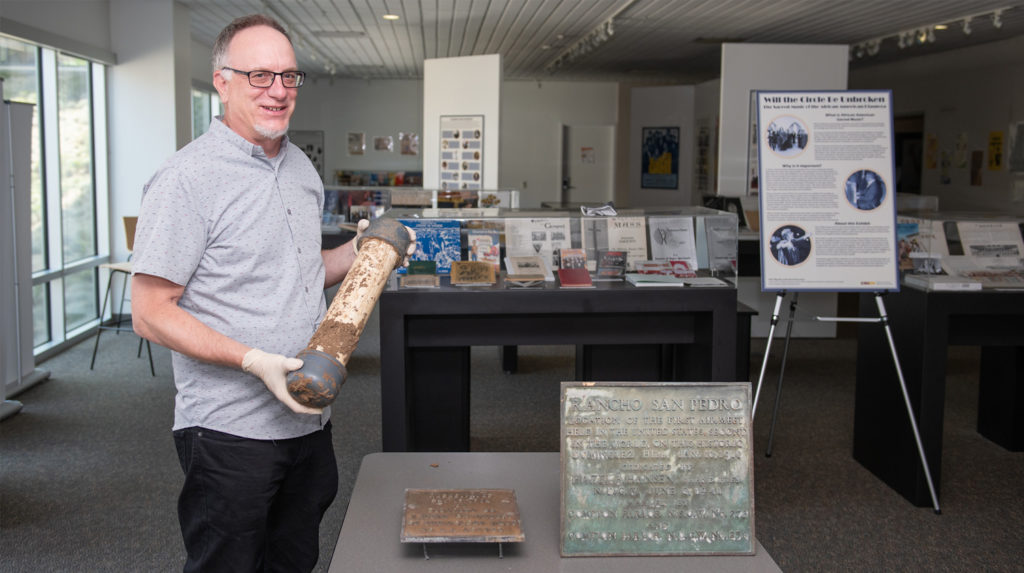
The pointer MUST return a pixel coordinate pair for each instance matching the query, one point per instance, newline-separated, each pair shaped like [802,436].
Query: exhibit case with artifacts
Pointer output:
[345,206]
[350,203]
[561,278]
[962,285]
[686,246]
[961,250]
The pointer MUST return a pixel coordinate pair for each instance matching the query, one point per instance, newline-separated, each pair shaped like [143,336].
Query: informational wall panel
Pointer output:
[462,149]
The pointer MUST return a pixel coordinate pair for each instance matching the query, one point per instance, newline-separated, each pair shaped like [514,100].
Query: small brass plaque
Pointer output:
[461,515]
[656,468]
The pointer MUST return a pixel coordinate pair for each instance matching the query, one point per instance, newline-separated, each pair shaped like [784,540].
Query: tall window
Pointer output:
[65,192]
[206,105]
[77,188]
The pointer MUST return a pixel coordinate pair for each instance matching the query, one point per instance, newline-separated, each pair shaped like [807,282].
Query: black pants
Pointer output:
[254,505]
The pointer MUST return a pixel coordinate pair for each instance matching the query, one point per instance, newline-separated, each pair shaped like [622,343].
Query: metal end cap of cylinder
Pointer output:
[319,381]
[390,231]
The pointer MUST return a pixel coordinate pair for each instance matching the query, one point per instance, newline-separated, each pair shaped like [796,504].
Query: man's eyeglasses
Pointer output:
[265,79]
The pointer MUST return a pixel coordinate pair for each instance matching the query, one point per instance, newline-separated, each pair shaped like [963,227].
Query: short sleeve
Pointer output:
[171,233]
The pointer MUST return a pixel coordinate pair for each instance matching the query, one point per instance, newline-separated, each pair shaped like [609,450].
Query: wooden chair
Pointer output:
[124,269]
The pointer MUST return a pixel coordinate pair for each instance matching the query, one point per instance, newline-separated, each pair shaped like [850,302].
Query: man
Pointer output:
[228,274]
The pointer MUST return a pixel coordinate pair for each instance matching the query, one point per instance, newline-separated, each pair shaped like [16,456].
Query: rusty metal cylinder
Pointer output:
[382,248]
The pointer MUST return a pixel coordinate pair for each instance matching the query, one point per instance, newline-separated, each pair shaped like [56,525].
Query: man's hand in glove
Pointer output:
[273,369]
[364,223]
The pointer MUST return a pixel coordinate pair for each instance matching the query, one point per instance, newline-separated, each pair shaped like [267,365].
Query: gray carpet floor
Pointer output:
[89,476]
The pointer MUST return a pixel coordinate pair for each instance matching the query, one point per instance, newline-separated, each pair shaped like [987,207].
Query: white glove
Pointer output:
[412,247]
[273,369]
[360,227]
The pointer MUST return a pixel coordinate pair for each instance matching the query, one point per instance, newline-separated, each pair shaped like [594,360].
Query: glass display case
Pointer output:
[678,241]
[350,204]
[961,250]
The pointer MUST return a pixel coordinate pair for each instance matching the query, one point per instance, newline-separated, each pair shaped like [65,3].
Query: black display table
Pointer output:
[369,538]
[621,332]
[924,324]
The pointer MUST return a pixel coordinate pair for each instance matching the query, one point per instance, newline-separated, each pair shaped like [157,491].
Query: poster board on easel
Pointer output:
[827,191]
[828,210]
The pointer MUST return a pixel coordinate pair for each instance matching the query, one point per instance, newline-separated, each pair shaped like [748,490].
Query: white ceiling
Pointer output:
[652,40]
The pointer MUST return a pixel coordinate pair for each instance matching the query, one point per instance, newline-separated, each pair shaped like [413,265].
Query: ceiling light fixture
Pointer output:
[924,34]
[588,42]
[391,17]
[338,34]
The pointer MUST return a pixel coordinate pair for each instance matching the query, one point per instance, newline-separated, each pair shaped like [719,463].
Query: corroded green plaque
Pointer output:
[656,468]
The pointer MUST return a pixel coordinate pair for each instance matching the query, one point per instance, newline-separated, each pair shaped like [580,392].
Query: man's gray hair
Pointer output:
[220,47]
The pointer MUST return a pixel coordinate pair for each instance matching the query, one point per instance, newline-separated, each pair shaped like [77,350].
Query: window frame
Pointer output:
[55,268]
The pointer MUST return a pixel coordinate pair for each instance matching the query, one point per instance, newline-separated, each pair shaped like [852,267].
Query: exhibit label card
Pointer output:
[656,468]
[827,191]
[461,516]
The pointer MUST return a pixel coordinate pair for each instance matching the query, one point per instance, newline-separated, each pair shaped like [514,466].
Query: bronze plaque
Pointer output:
[461,515]
[656,468]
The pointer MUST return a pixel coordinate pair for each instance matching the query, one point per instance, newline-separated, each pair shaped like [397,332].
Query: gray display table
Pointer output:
[369,539]
[621,333]
[924,325]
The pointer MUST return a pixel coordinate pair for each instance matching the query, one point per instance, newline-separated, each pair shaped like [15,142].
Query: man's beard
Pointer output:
[270,133]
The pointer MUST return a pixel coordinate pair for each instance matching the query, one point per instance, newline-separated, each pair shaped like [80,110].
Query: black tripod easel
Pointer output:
[883,319]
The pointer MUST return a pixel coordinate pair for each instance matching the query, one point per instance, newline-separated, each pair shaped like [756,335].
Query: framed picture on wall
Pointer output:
[312,144]
[384,143]
[659,162]
[356,142]
[409,143]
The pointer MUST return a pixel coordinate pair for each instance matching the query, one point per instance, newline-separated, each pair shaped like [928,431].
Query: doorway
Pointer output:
[908,134]
[588,165]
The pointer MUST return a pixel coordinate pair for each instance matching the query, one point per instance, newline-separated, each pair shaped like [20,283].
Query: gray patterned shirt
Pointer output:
[241,232]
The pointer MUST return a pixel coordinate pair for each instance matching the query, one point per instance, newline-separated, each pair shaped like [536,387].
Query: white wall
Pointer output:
[662,106]
[143,103]
[974,91]
[747,67]
[181,33]
[469,85]
[532,114]
[84,22]
[201,66]
[707,100]
[376,108]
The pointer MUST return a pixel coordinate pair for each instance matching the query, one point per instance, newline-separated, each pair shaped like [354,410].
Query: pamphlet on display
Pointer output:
[437,240]
[672,239]
[627,234]
[543,237]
